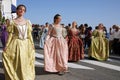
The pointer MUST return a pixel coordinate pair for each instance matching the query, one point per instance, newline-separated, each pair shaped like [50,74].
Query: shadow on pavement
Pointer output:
[40,71]
[1,65]
[39,58]
[2,76]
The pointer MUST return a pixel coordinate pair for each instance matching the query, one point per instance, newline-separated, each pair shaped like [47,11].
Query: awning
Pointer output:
[13,8]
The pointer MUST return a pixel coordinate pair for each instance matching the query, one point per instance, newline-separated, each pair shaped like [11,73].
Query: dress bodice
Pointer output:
[98,33]
[45,31]
[22,31]
[73,33]
[58,31]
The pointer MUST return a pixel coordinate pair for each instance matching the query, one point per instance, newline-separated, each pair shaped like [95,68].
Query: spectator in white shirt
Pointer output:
[116,41]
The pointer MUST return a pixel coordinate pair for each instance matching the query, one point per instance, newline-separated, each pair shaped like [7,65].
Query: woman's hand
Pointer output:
[5,49]
[33,46]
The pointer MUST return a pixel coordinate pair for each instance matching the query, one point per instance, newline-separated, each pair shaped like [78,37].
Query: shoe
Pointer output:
[61,73]
[67,71]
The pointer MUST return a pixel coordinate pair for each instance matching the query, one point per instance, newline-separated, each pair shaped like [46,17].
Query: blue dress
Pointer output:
[43,37]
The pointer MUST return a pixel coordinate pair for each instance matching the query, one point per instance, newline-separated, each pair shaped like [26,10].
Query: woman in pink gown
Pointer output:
[56,49]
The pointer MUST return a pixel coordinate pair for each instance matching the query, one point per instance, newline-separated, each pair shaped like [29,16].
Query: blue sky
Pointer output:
[92,12]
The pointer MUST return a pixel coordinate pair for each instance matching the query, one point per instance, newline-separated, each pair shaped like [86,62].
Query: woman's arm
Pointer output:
[10,31]
[30,32]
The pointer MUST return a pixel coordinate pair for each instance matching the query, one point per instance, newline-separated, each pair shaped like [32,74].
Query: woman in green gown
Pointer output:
[19,53]
[99,48]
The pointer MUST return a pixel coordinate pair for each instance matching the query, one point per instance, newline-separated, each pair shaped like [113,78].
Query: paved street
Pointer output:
[83,70]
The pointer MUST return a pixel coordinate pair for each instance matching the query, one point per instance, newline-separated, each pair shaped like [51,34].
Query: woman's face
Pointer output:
[21,10]
[7,21]
[74,24]
[58,20]
[47,25]
[100,26]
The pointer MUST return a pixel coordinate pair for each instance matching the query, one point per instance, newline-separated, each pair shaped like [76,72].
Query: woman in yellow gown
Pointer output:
[99,48]
[19,53]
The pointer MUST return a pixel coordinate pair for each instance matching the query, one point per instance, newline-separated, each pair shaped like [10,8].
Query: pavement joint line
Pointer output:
[72,65]
[109,59]
[101,64]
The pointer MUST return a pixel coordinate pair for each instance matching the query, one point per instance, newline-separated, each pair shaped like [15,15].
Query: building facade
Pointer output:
[7,8]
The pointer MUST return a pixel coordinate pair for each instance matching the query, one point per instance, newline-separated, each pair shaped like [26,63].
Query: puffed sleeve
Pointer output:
[64,32]
[10,30]
[30,31]
[49,30]
[94,33]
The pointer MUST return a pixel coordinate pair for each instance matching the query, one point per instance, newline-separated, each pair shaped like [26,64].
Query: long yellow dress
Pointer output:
[99,48]
[19,57]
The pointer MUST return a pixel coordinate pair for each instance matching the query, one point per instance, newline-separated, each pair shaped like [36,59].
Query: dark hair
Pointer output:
[20,6]
[46,23]
[96,27]
[90,28]
[56,16]
[7,20]
[81,25]
[69,24]
[86,25]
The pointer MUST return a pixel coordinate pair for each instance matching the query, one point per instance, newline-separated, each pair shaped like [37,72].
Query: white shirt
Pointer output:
[116,34]
[112,34]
